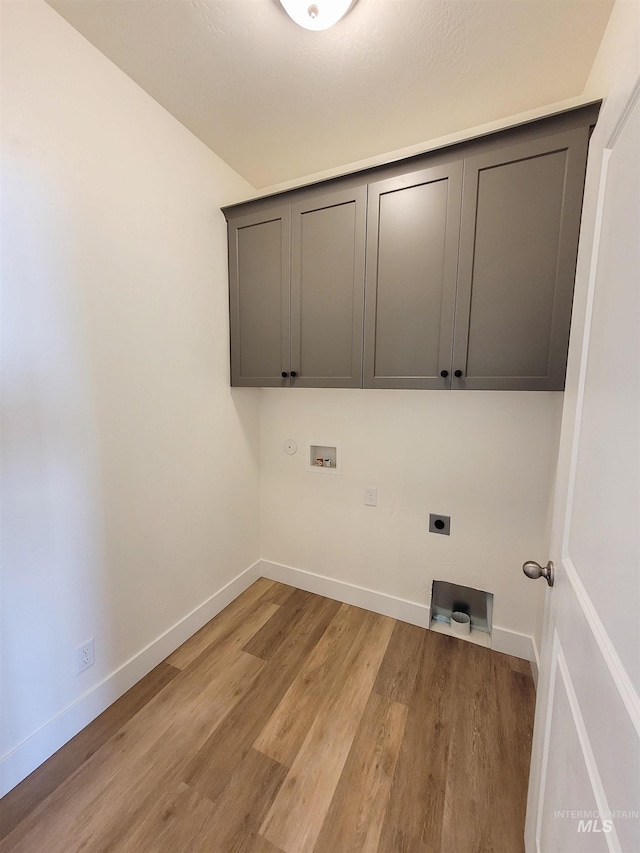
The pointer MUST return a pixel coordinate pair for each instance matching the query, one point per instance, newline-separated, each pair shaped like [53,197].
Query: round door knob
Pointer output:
[534,571]
[444,373]
[457,373]
[293,374]
[284,374]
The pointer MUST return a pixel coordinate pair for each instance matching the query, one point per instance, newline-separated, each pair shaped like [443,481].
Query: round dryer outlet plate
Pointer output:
[290,447]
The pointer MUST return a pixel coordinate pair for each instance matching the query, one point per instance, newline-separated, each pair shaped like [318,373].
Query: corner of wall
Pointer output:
[619,37]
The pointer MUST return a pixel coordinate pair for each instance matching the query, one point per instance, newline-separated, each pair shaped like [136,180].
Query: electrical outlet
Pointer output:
[439,524]
[370,497]
[85,656]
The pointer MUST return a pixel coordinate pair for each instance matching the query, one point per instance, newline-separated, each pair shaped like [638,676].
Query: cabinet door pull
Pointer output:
[444,373]
[284,374]
[293,374]
[457,373]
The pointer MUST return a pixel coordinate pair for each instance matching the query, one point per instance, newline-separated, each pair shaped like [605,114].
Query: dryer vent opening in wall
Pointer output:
[464,601]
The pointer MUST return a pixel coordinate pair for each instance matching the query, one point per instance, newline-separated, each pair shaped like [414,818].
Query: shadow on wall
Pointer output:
[53,560]
[246,424]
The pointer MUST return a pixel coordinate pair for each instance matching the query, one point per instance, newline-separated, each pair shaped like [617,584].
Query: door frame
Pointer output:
[569,590]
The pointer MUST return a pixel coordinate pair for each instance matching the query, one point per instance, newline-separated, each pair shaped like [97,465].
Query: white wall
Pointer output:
[130,475]
[487,459]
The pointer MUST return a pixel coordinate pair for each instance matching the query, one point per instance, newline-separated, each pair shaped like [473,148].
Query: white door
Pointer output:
[584,789]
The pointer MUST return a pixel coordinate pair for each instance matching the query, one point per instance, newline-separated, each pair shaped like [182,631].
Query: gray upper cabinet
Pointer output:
[412,254]
[519,235]
[327,283]
[259,297]
[450,270]
[296,289]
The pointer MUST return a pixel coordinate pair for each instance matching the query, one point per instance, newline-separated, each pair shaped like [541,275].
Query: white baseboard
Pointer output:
[17,764]
[358,596]
[502,639]
[513,643]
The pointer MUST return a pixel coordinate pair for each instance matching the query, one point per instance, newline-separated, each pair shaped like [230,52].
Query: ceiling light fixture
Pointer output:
[317,14]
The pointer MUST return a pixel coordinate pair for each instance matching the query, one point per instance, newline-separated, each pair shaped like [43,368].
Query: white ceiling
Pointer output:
[277,102]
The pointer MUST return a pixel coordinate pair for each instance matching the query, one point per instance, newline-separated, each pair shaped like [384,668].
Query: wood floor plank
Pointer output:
[253,843]
[180,819]
[187,821]
[279,592]
[394,840]
[514,697]
[271,637]
[417,795]
[519,665]
[491,732]
[165,762]
[473,715]
[289,724]
[245,801]
[295,819]
[232,643]
[26,796]
[263,591]
[397,675]
[355,816]
[151,748]
[211,768]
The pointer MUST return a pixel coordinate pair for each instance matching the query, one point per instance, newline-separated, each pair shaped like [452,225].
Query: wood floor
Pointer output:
[294,723]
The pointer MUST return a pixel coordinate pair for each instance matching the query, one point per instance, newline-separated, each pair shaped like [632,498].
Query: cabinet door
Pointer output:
[259,298]
[327,289]
[413,227]
[518,244]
